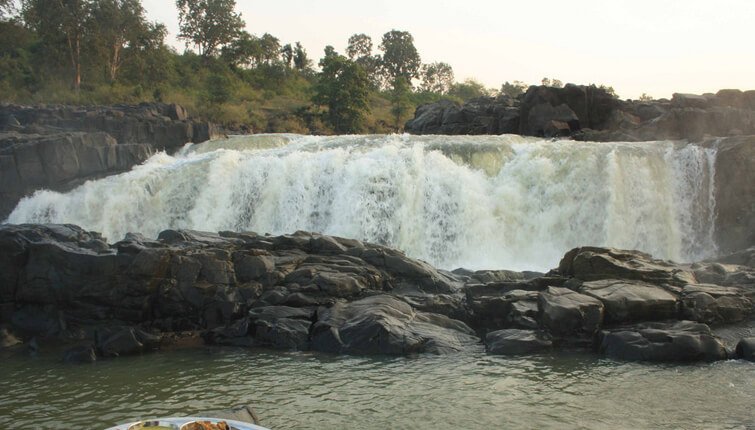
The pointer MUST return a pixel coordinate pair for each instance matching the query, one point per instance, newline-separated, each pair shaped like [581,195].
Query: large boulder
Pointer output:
[386,325]
[483,115]
[626,301]
[593,263]
[709,303]
[568,314]
[746,349]
[664,342]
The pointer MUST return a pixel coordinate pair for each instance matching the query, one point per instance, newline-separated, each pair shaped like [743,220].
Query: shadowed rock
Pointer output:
[675,341]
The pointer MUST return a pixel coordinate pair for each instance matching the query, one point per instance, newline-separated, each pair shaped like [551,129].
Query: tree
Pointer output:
[118,25]
[360,46]
[609,89]
[437,78]
[56,20]
[555,83]
[270,49]
[287,54]
[359,50]
[645,97]
[513,89]
[302,62]
[400,57]
[208,24]
[344,88]
[468,89]
[242,51]
[401,104]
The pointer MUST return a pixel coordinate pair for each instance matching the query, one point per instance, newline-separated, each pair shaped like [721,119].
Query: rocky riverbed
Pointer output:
[61,284]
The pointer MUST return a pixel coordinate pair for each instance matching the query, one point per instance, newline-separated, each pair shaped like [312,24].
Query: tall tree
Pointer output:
[468,89]
[245,50]
[56,20]
[208,24]
[287,55]
[117,25]
[400,57]
[437,77]
[302,62]
[270,48]
[360,46]
[400,103]
[344,88]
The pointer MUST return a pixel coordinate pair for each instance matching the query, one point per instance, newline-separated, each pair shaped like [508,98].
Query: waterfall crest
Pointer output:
[454,201]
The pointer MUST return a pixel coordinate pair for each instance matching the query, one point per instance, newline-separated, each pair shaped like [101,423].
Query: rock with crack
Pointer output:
[627,301]
[516,342]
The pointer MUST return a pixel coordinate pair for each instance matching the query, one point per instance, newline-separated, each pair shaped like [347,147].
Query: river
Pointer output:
[305,390]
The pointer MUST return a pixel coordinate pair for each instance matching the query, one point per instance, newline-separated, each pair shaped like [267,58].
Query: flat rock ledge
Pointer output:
[62,285]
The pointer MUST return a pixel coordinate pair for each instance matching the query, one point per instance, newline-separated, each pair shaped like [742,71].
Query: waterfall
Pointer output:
[454,201]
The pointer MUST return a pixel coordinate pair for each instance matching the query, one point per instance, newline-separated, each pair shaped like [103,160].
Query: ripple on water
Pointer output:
[305,390]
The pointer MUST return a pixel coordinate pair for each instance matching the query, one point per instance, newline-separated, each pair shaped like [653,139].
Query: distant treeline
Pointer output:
[107,51]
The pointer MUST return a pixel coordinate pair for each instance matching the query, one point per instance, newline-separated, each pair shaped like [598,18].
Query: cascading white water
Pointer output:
[475,202]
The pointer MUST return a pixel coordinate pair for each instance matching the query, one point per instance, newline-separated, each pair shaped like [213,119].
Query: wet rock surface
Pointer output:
[312,292]
[59,147]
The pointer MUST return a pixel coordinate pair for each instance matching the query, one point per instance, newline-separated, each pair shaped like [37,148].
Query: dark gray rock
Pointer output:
[715,304]
[80,354]
[115,342]
[60,147]
[386,325]
[746,349]
[627,301]
[516,342]
[566,313]
[735,193]
[592,264]
[664,342]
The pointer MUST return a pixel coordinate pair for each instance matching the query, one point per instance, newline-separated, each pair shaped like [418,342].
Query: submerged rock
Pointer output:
[516,342]
[746,349]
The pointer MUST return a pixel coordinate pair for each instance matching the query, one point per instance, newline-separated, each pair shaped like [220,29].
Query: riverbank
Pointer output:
[313,292]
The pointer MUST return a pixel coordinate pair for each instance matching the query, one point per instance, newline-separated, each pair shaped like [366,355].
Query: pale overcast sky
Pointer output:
[637,46]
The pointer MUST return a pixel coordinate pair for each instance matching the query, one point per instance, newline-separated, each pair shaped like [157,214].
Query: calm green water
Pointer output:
[303,391]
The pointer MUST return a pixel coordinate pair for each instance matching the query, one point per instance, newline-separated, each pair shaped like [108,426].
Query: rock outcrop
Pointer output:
[312,292]
[59,147]
[592,113]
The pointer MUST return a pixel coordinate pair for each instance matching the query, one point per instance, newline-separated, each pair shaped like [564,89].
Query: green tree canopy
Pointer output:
[344,88]
[120,25]
[437,78]
[301,60]
[208,24]
[400,57]
[468,89]
[57,21]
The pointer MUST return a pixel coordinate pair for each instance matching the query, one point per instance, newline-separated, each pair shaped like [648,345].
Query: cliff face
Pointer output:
[61,146]
[735,193]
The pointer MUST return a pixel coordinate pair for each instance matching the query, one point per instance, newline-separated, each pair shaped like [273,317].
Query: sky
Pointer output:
[656,47]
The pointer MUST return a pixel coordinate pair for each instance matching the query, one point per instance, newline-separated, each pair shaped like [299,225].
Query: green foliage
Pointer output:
[646,98]
[609,90]
[513,89]
[555,83]
[400,57]
[208,24]
[437,78]
[218,88]
[468,89]
[401,104]
[344,88]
